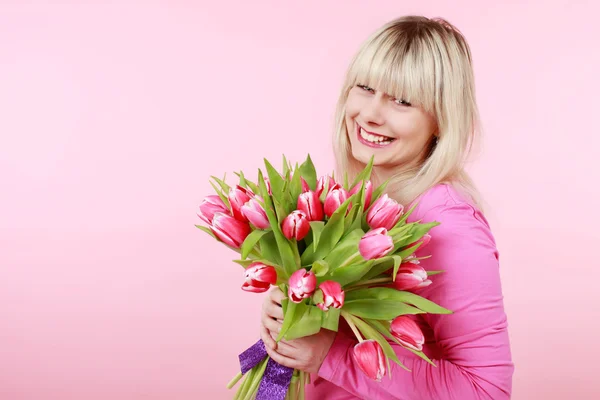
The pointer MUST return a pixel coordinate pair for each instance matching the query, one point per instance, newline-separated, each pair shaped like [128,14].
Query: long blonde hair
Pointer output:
[427,61]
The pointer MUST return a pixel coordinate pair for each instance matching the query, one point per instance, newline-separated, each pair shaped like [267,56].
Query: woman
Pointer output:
[409,100]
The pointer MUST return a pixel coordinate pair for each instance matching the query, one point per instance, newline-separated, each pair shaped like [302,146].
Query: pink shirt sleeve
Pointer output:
[475,357]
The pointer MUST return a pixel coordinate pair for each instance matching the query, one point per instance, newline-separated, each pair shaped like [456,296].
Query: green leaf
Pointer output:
[309,324]
[384,328]
[377,192]
[243,182]
[221,195]
[380,266]
[308,172]
[225,187]
[277,182]
[397,262]
[269,249]
[379,309]
[250,242]
[331,319]
[430,273]
[365,174]
[371,333]
[407,214]
[286,165]
[396,296]
[351,273]
[320,268]
[205,229]
[295,188]
[417,232]
[293,314]
[283,244]
[346,250]
[316,228]
[333,231]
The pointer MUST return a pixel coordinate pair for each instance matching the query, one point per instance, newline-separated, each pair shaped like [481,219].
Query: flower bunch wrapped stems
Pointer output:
[338,249]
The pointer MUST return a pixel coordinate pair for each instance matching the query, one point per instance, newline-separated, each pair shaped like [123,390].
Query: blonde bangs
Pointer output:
[399,65]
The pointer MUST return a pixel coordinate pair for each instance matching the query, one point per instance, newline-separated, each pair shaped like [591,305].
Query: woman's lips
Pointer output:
[371,144]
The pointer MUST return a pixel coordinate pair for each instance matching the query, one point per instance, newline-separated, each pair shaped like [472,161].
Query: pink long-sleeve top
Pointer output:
[470,346]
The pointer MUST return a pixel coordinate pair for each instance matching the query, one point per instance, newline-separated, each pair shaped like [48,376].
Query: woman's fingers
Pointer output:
[277,296]
[273,310]
[272,325]
[265,335]
[281,359]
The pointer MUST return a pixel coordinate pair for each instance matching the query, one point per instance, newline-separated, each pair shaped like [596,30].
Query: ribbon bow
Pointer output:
[276,379]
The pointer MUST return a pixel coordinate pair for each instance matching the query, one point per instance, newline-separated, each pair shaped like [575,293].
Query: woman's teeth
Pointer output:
[374,139]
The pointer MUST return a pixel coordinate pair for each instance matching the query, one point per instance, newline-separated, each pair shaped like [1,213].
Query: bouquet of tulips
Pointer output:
[337,250]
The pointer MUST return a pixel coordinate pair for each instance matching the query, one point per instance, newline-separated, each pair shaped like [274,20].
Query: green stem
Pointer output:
[369,282]
[352,258]
[234,380]
[256,379]
[302,382]
[348,319]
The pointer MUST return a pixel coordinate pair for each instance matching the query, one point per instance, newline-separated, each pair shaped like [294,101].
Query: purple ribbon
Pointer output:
[276,379]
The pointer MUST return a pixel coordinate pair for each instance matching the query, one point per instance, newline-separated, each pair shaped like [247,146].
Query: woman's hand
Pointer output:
[306,353]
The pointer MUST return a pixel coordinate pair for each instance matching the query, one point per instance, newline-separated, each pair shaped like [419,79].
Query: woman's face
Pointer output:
[392,130]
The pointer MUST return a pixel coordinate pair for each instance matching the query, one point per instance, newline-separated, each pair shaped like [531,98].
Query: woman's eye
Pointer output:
[402,102]
[365,87]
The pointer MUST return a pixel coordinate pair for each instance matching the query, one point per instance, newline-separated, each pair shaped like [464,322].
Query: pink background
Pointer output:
[114,116]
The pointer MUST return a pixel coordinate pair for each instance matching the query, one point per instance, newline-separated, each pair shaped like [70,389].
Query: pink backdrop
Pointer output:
[113,117]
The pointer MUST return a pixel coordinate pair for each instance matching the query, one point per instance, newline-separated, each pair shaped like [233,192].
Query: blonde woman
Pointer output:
[409,100]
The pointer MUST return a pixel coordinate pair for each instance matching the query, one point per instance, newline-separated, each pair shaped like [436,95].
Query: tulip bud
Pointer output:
[407,332]
[254,212]
[239,196]
[411,276]
[368,192]
[295,225]
[370,358]
[305,187]
[209,206]
[302,285]
[230,230]
[309,203]
[268,185]
[333,295]
[322,182]
[384,213]
[375,244]
[424,241]
[259,277]
[335,197]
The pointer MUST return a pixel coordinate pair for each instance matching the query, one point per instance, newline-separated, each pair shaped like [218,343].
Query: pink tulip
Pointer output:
[239,196]
[375,244]
[254,212]
[309,203]
[335,197]
[295,225]
[370,358]
[305,187]
[230,230]
[302,285]
[268,185]
[210,205]
[411,276]
[259,277]
[384,213]
[321,184]
[407,332]
[368,192]
[333,295]
[424,241]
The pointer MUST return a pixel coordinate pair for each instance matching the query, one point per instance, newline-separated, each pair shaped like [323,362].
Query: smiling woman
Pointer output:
[408,103]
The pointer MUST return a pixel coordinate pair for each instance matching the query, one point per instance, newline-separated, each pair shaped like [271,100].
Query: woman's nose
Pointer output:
[372,110]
